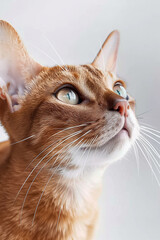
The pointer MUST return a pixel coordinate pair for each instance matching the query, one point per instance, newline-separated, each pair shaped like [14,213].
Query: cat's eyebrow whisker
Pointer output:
[22,140]
[71,135]
[44,190]
[148,162]
[54,62]
[53,48]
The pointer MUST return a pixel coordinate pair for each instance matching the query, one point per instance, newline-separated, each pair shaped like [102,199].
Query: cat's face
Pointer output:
[81,115]
[77,108]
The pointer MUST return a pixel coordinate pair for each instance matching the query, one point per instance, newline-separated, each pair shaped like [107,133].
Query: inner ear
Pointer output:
[107,56]
[17,68]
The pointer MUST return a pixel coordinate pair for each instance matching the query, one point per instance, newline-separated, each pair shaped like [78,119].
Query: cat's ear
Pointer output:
[16,66]
[107,56]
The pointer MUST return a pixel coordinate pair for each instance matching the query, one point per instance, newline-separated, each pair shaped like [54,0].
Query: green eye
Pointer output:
[67,95]
[120,90]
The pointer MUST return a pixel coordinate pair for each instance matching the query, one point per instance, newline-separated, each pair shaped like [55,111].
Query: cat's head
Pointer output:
[83,113]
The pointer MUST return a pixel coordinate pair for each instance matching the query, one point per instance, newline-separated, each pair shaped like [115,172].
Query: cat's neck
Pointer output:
[34,173]
[40,197]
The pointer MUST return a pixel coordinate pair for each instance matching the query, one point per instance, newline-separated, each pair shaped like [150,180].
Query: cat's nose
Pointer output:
[122,107]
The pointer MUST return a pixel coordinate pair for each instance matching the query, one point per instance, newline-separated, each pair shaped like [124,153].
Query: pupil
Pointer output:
[118,92]
[68,95]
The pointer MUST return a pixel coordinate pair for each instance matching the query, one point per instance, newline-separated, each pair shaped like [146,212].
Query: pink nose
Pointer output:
[122,107]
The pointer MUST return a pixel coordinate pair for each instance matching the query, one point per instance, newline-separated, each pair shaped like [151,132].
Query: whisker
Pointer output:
[137,156]
[146,125]
[53,48]
[43,193]
[148,163]
[71,135]
[38,174]
[58,218]
[79,146]
[75,151]
[151,137]
[54,62]
[86,142]
[139,118]
[81,125]
[151,146]
[152,156]
[151,130]
[89,150]
[144,113]
[22,140]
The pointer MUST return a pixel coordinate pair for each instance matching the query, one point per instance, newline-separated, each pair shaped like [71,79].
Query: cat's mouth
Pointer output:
[125,130]
[124,133]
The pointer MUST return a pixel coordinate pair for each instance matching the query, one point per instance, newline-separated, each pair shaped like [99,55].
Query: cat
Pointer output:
[66,125]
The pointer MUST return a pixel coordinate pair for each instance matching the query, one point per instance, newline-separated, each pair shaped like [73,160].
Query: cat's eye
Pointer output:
[120,90]
[68,95]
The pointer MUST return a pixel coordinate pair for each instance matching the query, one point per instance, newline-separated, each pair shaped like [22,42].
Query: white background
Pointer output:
[130,202]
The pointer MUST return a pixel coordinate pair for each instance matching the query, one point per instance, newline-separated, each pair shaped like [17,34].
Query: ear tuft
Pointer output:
[107,56]
[16,66]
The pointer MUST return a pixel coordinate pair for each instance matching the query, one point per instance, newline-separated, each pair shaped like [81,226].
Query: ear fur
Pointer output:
[107,56]
[16,66]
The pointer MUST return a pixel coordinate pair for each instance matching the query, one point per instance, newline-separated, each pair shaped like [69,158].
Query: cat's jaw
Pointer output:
[109,150]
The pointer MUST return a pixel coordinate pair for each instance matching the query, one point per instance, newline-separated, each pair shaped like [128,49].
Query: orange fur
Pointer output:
[68,208]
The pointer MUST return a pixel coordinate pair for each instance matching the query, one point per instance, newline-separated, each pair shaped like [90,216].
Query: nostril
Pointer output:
[121,107]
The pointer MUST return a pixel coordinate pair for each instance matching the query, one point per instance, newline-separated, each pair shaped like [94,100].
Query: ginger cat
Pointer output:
[66,124]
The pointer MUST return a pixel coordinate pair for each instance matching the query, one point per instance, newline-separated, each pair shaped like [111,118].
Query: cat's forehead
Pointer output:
[86,76]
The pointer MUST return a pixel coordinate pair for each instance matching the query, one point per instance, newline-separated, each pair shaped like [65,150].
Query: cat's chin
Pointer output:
[116,147]
[123,134]
[105,154]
